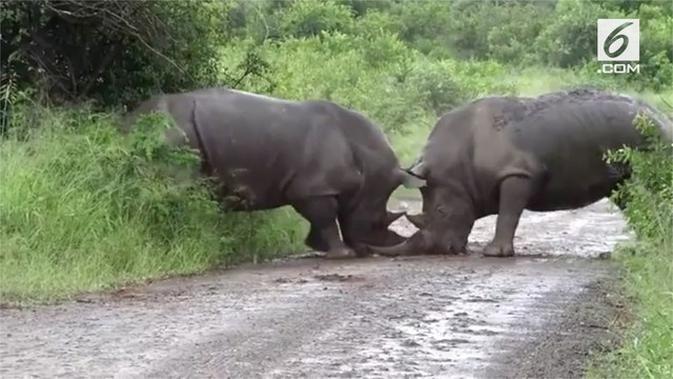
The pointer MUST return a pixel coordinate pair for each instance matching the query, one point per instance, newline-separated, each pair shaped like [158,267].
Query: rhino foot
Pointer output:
[340,253]
[497,250]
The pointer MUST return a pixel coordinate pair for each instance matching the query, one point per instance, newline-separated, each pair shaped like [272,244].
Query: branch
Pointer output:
[102,65]
[247,72]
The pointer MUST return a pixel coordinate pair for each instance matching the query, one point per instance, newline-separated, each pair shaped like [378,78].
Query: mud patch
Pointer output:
[337,278]
[585,328]
[290,280]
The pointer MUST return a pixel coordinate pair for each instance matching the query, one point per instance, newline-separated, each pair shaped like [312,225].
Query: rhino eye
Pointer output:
[442,210]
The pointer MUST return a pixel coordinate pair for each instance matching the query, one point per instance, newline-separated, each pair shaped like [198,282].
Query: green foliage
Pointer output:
[511,37]
[434,35]
[118,52]
[445,84]
[114,52]
[305,18]
[83,208]
[570,38]
[657,45]
[554,33]
[648,350]
[374,73]
[650,192]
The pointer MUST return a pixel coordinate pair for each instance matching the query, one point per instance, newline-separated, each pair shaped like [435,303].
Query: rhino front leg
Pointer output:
[321,212]
[515,192]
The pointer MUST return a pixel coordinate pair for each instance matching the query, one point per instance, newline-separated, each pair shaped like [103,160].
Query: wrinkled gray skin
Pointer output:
[501,155]
[329,163]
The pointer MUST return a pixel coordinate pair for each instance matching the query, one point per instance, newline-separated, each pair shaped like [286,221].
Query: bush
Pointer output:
[509,40]
[433,35]
[306,18]
[83,208]
[649,192]
[570,38]
[656,49]
[648,349]
[115,52]
[445,84]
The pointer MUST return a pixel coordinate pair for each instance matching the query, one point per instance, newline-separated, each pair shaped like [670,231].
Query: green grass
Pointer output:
[82,209]
[647,351]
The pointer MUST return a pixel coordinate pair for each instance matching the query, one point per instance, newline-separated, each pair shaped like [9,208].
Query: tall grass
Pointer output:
[84,208]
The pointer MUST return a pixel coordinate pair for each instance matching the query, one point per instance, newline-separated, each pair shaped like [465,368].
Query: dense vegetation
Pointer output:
[83,208]
[648,261]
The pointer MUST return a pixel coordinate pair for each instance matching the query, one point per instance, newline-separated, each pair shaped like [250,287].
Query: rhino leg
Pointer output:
[315,240]
[321,212]
[515,192]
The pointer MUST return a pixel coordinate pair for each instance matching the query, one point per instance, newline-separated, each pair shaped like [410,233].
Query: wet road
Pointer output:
[458,316]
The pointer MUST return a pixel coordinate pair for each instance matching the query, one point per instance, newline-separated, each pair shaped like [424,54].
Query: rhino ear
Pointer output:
[411,181]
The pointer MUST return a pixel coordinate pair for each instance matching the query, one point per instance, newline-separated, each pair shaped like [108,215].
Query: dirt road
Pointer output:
[459,316]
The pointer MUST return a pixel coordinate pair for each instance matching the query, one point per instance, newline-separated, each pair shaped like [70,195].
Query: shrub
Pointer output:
[306,18]
[509,40]
[114,52]
[649,192]
[570,39]
[648,262]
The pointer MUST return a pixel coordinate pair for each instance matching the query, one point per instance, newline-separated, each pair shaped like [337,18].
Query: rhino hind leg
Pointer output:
[321,213]
[515,192]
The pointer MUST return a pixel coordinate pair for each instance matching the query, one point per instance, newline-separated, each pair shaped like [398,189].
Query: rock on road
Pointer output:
[535,315]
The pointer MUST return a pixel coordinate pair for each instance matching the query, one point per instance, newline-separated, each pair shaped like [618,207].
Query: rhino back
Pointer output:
[273,151]
[568,136]
[561,138]
[268,150]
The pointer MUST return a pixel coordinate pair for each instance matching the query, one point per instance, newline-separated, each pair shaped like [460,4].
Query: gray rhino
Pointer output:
[501,155]
[331,164]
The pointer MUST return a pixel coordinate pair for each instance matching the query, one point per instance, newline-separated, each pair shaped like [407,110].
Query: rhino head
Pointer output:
[444,224]
[367,221]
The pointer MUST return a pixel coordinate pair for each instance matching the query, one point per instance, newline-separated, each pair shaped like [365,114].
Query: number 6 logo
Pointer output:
[614,37]
[618,40]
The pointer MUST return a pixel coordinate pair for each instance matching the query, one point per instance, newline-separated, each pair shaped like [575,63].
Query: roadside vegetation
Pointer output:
[648,262]
[84,208]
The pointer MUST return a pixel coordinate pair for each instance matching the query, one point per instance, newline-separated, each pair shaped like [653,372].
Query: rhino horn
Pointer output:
[392,216]
[411,181]
[417,220]
[412,246]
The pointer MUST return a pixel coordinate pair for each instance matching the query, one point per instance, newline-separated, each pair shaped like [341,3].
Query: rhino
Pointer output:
[501,155]
[331,164]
